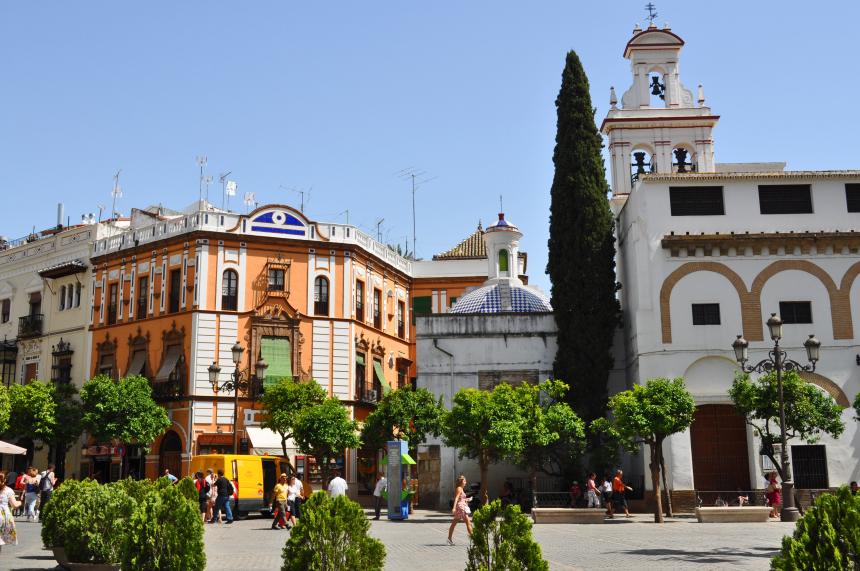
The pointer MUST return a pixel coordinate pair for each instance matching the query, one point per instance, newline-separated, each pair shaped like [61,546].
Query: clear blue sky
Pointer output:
[339,96]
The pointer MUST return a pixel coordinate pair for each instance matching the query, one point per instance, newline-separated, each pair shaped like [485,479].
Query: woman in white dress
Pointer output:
[8,533]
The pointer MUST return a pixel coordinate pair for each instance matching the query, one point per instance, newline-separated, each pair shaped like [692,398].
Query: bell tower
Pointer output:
[658,127]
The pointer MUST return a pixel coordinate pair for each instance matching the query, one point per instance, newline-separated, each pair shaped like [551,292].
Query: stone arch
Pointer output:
[828,386]
[170,453]
[840,305]
[752,327]
[848,279]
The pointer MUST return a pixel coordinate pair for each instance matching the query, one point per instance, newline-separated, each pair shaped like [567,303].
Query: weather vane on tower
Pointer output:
[652,12]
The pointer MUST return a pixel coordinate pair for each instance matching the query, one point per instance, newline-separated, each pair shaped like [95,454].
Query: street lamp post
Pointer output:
[237,381]
[778,361]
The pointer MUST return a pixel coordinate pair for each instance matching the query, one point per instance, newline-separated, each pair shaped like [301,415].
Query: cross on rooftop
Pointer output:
[652,12]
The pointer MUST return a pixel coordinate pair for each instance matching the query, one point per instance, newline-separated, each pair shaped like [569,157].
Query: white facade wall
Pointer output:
[703,354]
[490,342]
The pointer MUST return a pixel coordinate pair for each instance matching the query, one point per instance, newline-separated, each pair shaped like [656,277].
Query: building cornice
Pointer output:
[729,176]
[823,242]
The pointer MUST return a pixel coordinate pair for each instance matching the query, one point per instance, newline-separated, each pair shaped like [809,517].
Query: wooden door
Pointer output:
[718,439]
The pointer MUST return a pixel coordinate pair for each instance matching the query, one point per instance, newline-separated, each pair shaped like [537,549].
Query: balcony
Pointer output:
[169,390]
[370,393]
[30,325]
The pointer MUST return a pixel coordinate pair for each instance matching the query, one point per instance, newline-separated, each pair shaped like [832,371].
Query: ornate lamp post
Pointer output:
[238,381]
[777,360]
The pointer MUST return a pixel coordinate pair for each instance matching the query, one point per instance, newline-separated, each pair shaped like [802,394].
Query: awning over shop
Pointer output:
[171,359]
[277,353]
[380,377]
[8,448]
[404,459]
[265,441]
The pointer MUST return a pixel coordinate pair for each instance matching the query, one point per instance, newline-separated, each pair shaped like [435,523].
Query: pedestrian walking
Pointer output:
[20,492]
[606,488]
[280,503]
[8,533]
[773,493]
[31,493]
[460,509]
[381,486]
[203,488]
[619,489]
[210,499]
[47,482]
[295,498]
[337,486]
[223,499]
[591,491]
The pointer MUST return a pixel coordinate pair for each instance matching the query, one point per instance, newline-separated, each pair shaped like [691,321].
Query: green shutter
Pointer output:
[421,305]
[277,353]
[380,377]
[359,359]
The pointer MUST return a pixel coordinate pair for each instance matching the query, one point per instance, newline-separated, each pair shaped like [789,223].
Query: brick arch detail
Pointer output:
[840,304]
[848,279]
[751,323]
[828,386]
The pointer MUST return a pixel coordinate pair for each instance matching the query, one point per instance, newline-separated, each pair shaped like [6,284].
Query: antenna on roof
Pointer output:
[347,215]
[201,160]
[501,204]
[222,178]
[115,193]
[418,178]
[101,209]
[378,231]
[250,200]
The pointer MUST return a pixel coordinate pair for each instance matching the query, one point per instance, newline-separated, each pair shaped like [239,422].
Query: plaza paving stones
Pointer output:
[419,545]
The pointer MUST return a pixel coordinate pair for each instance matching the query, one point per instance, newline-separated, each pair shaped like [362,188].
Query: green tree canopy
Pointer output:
[33,411]
[581,262]
[809,411]
[122,410]
[407,413]
[285,401]
[648,414]
[324,431]
[486,425]
[857,407]
[552,432]
[4,409]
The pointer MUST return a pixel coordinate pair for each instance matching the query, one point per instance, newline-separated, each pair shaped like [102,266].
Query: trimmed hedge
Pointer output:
[502,541]
[165,533]
[332,535]
[827,537]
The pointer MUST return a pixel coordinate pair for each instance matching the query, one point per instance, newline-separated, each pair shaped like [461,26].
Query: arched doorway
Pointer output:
[170,454]
[718,442]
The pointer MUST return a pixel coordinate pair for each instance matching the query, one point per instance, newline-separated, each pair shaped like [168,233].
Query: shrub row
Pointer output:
[140,524]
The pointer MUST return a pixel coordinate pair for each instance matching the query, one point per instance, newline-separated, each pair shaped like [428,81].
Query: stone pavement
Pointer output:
[419,545]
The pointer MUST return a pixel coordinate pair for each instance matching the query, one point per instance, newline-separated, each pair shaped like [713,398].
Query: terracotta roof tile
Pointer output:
[471,248]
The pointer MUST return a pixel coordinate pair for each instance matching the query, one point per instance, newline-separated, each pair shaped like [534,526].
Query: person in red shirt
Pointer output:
[618,490]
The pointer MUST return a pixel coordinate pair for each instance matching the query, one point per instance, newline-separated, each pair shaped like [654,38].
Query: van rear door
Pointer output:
[270,478]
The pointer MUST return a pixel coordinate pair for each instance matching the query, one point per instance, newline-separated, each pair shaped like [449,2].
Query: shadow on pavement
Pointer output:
[713,556]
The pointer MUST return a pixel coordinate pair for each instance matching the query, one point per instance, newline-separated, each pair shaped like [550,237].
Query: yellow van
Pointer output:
[253,477]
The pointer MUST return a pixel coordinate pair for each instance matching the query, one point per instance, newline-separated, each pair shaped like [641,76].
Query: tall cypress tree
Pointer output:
[581,262]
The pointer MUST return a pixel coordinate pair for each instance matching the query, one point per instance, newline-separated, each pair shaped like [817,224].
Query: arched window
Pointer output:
[320,296]
[503,262]
[230,290]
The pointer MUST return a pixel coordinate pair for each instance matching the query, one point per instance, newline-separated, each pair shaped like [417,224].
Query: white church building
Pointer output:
[707,251]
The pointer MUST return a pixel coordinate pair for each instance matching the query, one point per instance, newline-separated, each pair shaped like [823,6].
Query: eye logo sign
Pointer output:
[278,222]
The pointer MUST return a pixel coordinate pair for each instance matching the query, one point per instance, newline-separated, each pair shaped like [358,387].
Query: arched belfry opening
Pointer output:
[658,111]
[683,160]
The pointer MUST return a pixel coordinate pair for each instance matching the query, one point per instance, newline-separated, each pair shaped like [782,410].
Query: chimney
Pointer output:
[60,215]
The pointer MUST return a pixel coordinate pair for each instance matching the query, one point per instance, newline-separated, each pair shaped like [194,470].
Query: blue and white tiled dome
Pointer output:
[494,299]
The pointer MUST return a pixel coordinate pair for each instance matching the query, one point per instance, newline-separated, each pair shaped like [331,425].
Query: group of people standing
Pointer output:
[27,494]
[608,493]
[214,494]
[287,503]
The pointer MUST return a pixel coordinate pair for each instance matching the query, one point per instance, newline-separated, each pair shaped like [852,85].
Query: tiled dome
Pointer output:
[495,299]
